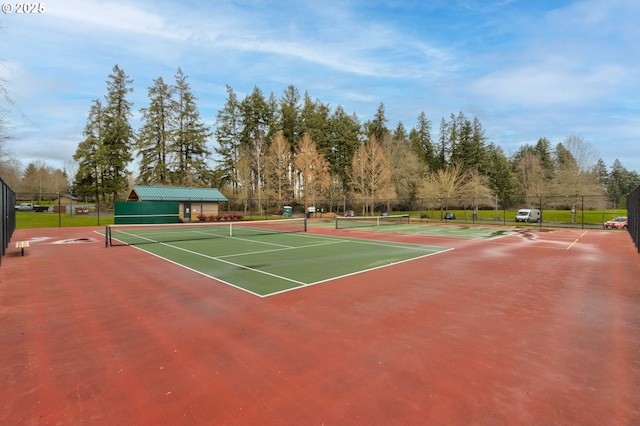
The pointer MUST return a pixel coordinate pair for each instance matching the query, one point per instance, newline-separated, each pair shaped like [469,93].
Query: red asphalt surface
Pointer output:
[537,328]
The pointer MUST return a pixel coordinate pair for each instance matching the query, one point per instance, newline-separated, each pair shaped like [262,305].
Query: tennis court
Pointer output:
[265,257]
[402,224]
[539,327]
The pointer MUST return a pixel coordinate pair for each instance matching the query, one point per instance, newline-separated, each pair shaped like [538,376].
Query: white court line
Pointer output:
[357,272]
[234,264]
[411,246]
[577,239]
[280,249]
[329,241]
[198,272]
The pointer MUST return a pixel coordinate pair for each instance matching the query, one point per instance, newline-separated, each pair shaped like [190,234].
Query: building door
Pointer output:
[187,212]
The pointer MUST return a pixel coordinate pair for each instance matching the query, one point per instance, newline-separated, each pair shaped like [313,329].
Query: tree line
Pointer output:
[294,148]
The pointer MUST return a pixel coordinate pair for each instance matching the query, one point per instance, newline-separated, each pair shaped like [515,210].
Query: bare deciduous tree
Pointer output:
[476,191]
[312,171]
[406,168]
[370,175]
[530,176]
[278,170]
[444,184]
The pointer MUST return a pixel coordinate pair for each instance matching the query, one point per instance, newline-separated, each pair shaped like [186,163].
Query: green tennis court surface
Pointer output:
[453,231]
[267,264]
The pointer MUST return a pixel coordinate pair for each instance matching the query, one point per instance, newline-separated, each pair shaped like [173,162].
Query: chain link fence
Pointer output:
[57,209]
[585,211]
[633,207]
[8,225]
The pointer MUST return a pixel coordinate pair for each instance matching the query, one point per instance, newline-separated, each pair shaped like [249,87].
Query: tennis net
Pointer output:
[365,221]
[126,235]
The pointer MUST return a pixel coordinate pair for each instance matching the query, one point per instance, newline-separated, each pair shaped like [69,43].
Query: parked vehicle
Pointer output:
[24,207]
[621,222]
[28,207]
[349,213]
[449,216]
[528,215]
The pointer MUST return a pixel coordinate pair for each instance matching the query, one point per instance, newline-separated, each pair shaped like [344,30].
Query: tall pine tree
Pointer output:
[116,146]
[157,133]
[228,136]
[89,176]
[191,135]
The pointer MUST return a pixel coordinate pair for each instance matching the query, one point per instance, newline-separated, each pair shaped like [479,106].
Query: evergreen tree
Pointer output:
[420,137]
[601,172]
[400,133]
[459,140]
[564,159]
[478,151]
[378,126]
[525,149]
[258,116]
[117,140]
[467,143]
[441,158]
[621,183]
[453,138]
[157,134]
[89,176]
[344,134]
[315,121]
[289,116]
[191,136]
[543,150]
[500,177]
[228,135]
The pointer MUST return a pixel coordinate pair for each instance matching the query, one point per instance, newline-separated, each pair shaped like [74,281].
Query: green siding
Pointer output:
[146,212]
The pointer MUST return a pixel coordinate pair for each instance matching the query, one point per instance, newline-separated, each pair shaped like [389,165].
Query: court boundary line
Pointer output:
[300,284]
[577,239]
[196,271]
[395,231]
[359,272]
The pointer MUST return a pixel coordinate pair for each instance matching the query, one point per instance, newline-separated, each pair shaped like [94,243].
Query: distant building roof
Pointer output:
[174,193]
[69,196]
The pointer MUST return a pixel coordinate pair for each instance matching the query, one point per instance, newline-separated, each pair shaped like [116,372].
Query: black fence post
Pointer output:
[633,215]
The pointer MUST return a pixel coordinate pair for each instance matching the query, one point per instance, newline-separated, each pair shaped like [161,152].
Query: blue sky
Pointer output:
[526,69]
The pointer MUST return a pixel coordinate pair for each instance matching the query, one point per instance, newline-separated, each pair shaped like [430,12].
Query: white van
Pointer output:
[528,215]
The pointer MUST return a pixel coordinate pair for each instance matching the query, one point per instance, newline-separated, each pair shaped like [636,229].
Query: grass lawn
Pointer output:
[558,216]
[55,220]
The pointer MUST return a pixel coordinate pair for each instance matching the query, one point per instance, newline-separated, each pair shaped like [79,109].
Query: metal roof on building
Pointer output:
[174,193]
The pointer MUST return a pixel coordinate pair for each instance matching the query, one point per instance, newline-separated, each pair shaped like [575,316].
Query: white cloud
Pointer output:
[526,69]
[114,16]
[550,84]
